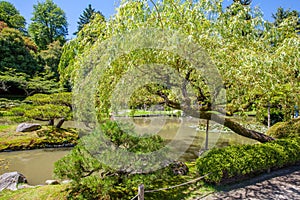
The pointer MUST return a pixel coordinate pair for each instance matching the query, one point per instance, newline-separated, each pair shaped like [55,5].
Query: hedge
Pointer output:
[240,161]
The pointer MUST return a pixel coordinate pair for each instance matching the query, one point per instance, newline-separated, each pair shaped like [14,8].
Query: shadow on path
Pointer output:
[281,184]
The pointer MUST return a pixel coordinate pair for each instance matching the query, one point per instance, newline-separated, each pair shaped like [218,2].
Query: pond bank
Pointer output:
[46,137]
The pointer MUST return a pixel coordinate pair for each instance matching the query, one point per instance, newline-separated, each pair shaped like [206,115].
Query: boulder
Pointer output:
[26,127]
[11,180]
[179,168]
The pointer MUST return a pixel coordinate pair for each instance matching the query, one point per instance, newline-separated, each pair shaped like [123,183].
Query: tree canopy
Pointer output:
[282,16]
[86,17]
[11,16]
[49,24]
[257,60]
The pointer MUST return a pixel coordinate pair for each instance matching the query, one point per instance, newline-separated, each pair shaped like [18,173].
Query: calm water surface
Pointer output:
[182,135]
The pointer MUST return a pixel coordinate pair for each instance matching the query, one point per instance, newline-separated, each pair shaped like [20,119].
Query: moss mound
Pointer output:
[285,129]
[46,137]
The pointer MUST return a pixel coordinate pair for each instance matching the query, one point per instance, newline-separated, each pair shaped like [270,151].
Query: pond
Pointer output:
[36,165]
[182,135]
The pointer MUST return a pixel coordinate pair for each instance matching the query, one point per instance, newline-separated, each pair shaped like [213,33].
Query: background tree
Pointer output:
[51,57]
[74,48]
[11,16]
[86,17]
[281,15]
[17,52]
[49,24]
[50,107]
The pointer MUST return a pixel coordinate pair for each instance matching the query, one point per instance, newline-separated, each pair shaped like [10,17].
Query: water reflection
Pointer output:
[182,136]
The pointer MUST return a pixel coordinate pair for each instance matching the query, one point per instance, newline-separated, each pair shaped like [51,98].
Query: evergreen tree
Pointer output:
[86,17]
[281,15]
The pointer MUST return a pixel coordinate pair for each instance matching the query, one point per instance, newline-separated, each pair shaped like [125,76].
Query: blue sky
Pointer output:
[74,8]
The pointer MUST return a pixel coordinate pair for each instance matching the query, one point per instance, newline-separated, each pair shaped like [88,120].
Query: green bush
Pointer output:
[21,110]
[93,179]
[285,129]
[237,161]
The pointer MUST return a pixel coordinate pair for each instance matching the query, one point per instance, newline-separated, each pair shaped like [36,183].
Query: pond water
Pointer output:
[182,135]
[36,165]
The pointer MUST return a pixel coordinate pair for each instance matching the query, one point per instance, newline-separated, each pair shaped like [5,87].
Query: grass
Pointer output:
[4,127]
[11,140]
[49,192]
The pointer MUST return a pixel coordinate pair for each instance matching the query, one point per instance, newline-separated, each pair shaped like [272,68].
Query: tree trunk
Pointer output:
[51,122]
[232,125]
[60,123]
[269,115]
[206,138]
[220,119]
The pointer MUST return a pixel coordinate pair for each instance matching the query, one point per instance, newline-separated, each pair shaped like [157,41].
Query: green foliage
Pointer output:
[74,48]
[11,16]
[238,161]
[17,53]
[86,17]
[63,99]
[95,179]
[283,15]
[47,112]
[21,72]
[42,107]
[51,57]
[45,137]
[257,60]
[49,24]
[20,110]
[285,129]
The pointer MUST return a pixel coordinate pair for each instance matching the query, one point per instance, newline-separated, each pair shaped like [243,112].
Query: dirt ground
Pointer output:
[278,185]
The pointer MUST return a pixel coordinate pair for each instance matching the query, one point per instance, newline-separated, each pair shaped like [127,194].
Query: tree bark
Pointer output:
[206,138]
[206,113]
[51,122]
[229,123]
[269,115]
[60,123]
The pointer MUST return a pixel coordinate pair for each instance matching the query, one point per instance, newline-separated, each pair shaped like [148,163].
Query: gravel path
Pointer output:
[278,185]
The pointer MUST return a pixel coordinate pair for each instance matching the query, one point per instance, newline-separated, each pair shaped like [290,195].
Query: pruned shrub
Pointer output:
[238,161]
[93,179]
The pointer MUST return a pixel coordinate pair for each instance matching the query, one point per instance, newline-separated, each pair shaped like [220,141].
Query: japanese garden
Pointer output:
[163,100]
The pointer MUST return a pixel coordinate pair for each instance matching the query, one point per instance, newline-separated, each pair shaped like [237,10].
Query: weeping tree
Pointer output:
[242,49]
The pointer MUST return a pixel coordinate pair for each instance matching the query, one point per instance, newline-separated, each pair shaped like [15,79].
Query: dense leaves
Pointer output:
[11,16]
[285,129]
[238,161]
[94,179]
[17,52]
[49,24]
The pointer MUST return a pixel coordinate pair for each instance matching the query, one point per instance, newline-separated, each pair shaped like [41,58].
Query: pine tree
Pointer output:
[282,14]
[86,17]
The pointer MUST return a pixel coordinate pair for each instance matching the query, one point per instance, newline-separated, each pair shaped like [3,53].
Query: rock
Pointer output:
[24,186]
[66,181]
[26,127]
[179,168]
[11,180]
[52,182]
